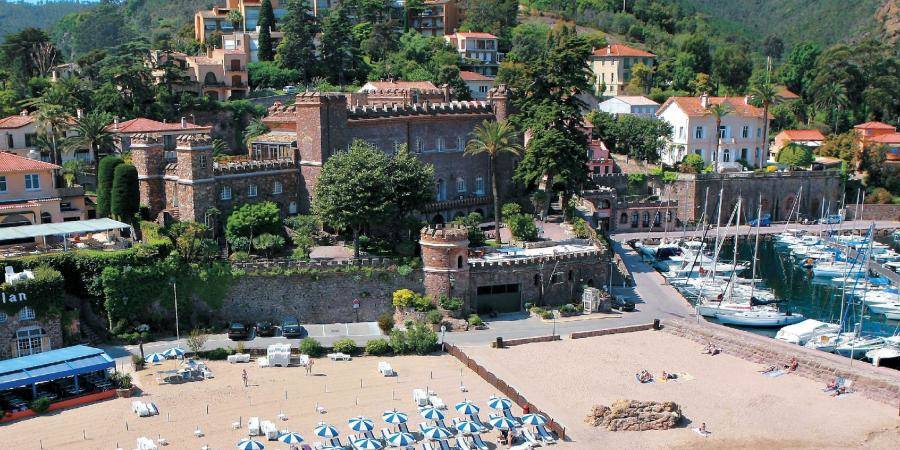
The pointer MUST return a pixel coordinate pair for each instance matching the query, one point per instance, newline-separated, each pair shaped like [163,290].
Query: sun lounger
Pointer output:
[339,356]
[198,433]
[369,435]
[545,435]
[437,402]
[530,437]
[352,438]
[269,430]
[423,427]
[509,415]
[144,443]
[483,425]
[162,441]
[140,408]
[239,358]
[151,407]
[253,426]
[336,442]
[427,446]
[420,397]
[440,423]
[444,445]
[262,361]
[385,369]
[478,442]
[403,428]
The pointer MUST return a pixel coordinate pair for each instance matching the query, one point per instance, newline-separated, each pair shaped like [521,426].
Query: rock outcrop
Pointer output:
[632,415]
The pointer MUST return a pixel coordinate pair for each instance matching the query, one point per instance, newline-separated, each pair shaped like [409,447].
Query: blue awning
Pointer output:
[52,365]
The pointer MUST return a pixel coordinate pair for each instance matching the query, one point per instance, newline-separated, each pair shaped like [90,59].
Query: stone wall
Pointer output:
[314,298]
[52,334]
[877,383]
[874,212]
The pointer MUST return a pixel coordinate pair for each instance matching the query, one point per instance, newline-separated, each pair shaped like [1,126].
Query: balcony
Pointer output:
[235,69]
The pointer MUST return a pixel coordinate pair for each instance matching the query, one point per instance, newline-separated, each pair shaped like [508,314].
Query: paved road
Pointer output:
[774,229]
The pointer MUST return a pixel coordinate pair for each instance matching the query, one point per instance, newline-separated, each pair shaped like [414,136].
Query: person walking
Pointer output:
[309,367]
[244,376]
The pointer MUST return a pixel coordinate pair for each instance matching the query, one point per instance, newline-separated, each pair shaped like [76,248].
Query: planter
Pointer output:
[124,393]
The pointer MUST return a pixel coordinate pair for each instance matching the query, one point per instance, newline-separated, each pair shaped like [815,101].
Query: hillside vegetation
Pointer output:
[15,16]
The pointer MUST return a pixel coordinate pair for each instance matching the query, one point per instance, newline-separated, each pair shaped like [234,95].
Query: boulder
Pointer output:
[633,415]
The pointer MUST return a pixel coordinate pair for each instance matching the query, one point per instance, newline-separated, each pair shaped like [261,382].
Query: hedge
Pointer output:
[42,293]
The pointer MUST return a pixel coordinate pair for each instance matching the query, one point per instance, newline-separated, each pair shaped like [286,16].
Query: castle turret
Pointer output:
[194,170]
[148,157]
[445,251]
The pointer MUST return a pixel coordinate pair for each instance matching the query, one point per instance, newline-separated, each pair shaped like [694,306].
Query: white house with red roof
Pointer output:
[806,138]
[478,84]
[478,51]
[740,133]
[611,66]
[18,134]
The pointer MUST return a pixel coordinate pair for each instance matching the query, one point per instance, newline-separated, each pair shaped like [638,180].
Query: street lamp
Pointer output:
[175,292]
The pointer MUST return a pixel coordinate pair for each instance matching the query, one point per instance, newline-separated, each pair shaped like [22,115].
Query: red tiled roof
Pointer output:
[804,135]
[10,162]
[888,138]
[17,121]
[621,50]
[467,75]
[875,126]
[786,94]
[143,125]
[691,106]
[422,85]
[476,35]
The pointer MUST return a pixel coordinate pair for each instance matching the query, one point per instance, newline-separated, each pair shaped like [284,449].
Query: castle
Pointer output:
[282,165]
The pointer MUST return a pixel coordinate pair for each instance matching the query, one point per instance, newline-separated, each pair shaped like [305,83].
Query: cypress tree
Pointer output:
[125,198]
[105,174]
[266,24]
[297,50]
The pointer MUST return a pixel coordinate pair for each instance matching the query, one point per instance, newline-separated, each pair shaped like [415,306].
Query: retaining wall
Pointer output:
[874,212]
[523,341]
[607,331]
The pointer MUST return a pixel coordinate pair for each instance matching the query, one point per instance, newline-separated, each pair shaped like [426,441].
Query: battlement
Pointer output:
[444,234]
[319,97]
[236,167]
[145,139]
[419,109]
[193,140]
[546,260]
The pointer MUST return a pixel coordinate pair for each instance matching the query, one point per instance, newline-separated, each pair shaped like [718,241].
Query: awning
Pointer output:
[52,365]
[61,228]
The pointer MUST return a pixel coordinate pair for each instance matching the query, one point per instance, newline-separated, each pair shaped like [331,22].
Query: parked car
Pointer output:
[291,89]
[764,220]
[290,327]
[237,331]
[622,304]
[265,329]
[832,219]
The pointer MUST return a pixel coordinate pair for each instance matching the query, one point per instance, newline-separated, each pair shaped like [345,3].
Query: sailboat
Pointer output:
[890,351]
[800,333]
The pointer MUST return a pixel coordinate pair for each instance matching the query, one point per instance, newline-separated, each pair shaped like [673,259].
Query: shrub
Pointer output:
[376,347]
[218,354]
[434,317]
[546,315]
[422,303]
[421,339]
[403,298]
[311,347]
[475,320]
[105,177]
[451,303]
[528,306]
[345,345]
[125,195]
[580,228]
[536,310]
[510,209]
[397,342]
[567,310]
[137,362]
[239,256]
[40,405]
[692,163]
[522,227]
[121,380]
[386,323]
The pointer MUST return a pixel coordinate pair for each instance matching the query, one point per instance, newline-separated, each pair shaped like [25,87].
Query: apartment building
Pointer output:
[19,135]
[874,134]
[611,66]
[207,23]
[29,193]
[436,17]
[806,138]
[479,51]
[478,84]
[740,134]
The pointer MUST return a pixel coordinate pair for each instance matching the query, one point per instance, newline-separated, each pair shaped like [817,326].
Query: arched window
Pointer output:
[668,216]
[27,313]
[459,262]
[657,218]
[460,185]
[634,219]
[210,78]
[29,340]
[645,219]
[623,219]
[46,217]
[726,155]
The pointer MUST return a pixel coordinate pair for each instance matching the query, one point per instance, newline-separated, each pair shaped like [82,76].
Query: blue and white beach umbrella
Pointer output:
[533,419]
[174,352]
[467,407]
[367,444]
[326,431]
[250,444]
[437,433]
[361,424]
[467,426]
[401,440]
[395,417]
[502,423]
[155,358]
[291,438]
[432,413]
[499,403]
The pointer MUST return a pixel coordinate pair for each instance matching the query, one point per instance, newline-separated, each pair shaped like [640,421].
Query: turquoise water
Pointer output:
[815,298]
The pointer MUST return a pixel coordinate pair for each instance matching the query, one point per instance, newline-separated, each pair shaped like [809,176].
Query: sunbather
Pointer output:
[768,369]
[792,365]
[644,376]
[839,390]
[832,385]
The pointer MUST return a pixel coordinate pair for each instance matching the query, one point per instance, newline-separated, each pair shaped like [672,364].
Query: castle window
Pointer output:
[169,155]
[397,145]
[27,313]
[623,219]
[757,155]
[251,190]
[668,216]
[225,194]
[460,185]
[202,161]
[657,218]
[440,144]
[459,262]
[646,219]
[441,190]
[277,188]
[420,145]
[460,143]
[634,219]
[479,185]
[292,208]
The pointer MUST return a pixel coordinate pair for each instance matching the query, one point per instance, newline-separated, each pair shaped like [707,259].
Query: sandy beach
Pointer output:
[741,407]
[183,408]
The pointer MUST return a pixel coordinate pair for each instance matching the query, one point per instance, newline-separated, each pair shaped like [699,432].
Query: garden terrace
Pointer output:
[546,255]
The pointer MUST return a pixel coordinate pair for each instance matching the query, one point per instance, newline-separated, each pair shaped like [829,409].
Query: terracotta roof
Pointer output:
[636,100]
[17,121]
[621,50]
[875,126]
[785,93]
[205,61]
[888,138]
[804,135]
[472,34]
[144,125]
[10,162]
[691,106]
[421,85]
[473,76]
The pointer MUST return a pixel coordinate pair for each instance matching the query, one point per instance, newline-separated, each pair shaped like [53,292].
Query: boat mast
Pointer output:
[862,301]
[756,248]
[718,225]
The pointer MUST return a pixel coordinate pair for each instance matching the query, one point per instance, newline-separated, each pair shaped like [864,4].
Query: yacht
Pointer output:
[890,351]
[836,269]
[828,342]
[760,318]
[856,348]
[800,333]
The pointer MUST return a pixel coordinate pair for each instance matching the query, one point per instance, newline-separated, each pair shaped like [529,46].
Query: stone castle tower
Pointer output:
[445,251]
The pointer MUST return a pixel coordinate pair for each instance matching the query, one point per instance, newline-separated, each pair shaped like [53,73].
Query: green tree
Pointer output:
[692,163]
[70,171]
[718,111]
[296,50]
[832,98]
[52,120]
[732,68]
[92,131]
[844,146]
[493,16]
[187,237]
[772,46]
[795,155]
[125,200]
[16,53]
[764,95]
[494,139]
[255,128]
[341,60]
[266,25]
[268,243]
[253,219]
[269,74]
[413,183]
[236,18]
[641,79]
[105,176]
[799,67]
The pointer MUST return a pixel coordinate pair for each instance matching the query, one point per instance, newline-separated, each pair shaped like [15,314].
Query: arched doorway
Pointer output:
[437,219]
[46,217]
[210,79]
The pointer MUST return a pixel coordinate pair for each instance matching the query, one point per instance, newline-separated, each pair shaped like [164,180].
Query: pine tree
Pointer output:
[125,198]
[340,50]
[297,49]
[266,24]
[105,174]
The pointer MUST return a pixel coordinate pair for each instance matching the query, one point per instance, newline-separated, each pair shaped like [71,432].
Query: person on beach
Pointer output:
[244,376]
[792,366]
[309,367]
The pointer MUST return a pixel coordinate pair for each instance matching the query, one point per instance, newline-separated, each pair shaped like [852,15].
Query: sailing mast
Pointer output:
[756,248]
[718,226]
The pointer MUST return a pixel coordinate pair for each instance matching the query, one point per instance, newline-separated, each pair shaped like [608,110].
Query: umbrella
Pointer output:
[174,352]
[467,407]
[250,444]
[467,426]
[437,433]
[502,423]
[326,431]
[290,438]
[432,413]
[367,444]
[533,419]
[394,417]
[361,424]
[499,403]
[401,439]
[155,358]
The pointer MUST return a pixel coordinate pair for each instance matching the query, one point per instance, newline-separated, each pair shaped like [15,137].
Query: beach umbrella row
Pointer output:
[290,438]
[467,426]
[499,403]
[437,433]
[502,423]
[326,431]
[432,413]
[466,407]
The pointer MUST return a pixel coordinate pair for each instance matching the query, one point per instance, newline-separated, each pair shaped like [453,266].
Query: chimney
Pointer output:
[24,112]
[116,123]
[608,49]
[704,100]
[79,112]
[183,123]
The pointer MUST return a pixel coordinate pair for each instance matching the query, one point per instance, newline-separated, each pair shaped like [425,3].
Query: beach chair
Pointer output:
[339,356]
[477,419]
[423,427]
[509,415]
[253,426]
[545,435]
[420,397]
[437,402]
[336,442]
[369,435]
[444,445]
[385,369]
[403,428]
[162,441]
[440,423]
[530,437]
[269,430]
[352,438]
[152,409]
[385,433]
[463,442]
[144,443]
[198,433]
[478,442]
[427,446]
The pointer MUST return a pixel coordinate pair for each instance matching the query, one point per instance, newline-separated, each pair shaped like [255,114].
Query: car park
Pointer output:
[238,331]
[265,328]
[291,328]
[622,304]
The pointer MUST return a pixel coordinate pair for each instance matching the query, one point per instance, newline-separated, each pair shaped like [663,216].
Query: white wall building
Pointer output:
[478,84]
[693,131]
[478,50]
[629,104]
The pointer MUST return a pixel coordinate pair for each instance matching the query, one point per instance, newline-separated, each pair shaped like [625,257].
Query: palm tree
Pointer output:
[255,128]
[52,120]
[832,96]
[92,132]
[718,111]
[764,95]
[494,138]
